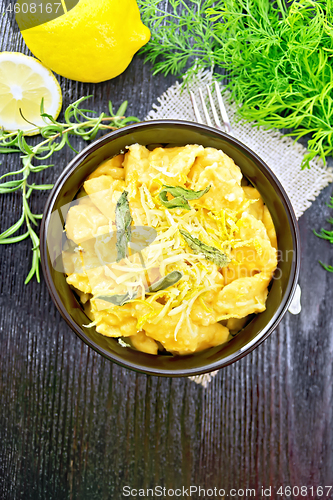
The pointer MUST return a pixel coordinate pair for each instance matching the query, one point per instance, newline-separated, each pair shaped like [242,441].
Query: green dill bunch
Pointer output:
[182,35]
[280,66]
[278,58]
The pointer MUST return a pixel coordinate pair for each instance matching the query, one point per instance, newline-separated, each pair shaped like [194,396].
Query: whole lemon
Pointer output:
[92,42]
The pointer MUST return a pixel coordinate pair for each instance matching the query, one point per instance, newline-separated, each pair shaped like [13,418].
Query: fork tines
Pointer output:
[225,125]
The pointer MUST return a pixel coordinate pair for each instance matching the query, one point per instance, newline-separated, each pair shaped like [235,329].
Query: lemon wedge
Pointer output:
[24,82]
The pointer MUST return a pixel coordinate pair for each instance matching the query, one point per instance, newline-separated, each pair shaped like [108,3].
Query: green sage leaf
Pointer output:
[211,253]
[118,299]
[180,196]
[123,224]
[164,283]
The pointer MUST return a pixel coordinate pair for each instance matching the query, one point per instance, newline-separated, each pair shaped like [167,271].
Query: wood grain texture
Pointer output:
[75,426]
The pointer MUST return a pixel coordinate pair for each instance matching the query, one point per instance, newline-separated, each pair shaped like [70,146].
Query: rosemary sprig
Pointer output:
[326,235]
[55,136]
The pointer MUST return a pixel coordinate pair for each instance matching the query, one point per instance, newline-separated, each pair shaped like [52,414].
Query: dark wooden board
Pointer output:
[75,426]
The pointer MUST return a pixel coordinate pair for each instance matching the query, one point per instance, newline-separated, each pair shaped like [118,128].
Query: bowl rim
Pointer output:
[260,337]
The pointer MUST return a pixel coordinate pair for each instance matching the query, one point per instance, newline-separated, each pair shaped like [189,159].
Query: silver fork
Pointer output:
[225,125]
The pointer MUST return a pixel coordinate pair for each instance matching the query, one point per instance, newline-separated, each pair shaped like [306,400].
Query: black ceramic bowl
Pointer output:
[256,171]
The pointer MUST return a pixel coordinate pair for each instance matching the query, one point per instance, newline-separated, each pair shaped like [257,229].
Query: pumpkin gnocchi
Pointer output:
[169,251]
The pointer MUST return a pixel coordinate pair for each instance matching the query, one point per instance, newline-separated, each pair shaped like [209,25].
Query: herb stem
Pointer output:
[15,142]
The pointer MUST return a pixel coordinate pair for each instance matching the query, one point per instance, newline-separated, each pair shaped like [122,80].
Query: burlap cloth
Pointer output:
[280,153]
